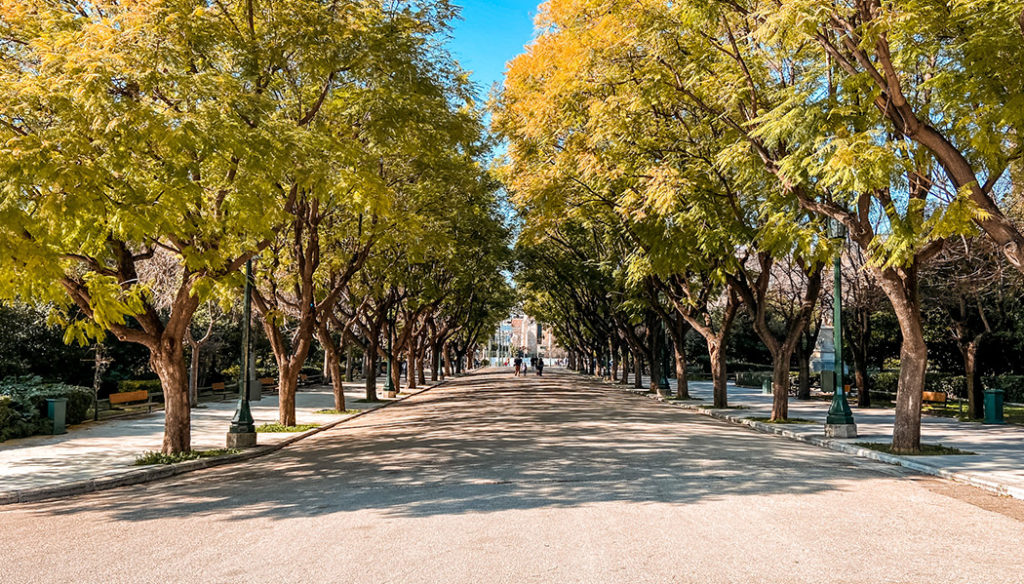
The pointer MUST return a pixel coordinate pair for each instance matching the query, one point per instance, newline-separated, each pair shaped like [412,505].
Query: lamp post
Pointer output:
[839,422]
[389,385]
[663,387]
[242,432]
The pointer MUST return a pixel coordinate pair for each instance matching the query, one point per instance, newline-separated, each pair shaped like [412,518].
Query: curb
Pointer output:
[158,472]
[844,447]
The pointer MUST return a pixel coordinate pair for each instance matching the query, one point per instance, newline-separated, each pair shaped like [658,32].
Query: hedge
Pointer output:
[150,385]
[18,418]
[1013,385]
[23,405]
[752,378]
[954,385]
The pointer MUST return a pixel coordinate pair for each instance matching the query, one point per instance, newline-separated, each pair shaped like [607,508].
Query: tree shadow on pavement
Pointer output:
[489,442]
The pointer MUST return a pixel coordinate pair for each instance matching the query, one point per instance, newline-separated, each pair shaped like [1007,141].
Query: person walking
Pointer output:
[519,366]
[540,366]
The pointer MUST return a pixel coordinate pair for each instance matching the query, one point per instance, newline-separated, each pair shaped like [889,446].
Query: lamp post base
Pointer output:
[840,430]
[241,439]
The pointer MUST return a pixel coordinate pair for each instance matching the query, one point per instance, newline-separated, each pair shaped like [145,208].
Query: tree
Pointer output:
[118,146]
[972,292]
[944,77]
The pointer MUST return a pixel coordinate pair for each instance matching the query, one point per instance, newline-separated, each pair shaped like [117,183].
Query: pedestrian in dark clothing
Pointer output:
[540,366]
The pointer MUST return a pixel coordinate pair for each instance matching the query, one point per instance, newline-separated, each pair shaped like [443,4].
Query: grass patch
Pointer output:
[161,458]
[683,399]
[283,428]
[785,421]
[337,412]
[926,449]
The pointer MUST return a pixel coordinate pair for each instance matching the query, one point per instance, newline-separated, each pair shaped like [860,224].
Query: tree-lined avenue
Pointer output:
[497,479]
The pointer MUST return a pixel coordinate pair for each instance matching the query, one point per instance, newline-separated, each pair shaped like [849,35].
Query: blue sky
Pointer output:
[489,35]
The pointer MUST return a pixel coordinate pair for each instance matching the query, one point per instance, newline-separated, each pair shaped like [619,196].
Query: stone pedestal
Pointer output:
[840,430]
[241,440]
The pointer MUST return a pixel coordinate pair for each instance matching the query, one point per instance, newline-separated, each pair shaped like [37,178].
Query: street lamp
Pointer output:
[242,432]
[839,422]
[389,385]
[663,387]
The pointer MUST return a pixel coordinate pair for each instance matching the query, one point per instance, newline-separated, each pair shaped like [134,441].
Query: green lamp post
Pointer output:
[242,432]
[839,423]
[389,385]
[663,387]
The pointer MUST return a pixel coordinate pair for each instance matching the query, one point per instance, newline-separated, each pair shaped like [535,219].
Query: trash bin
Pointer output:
[766,387]
[56,410]
[994,406]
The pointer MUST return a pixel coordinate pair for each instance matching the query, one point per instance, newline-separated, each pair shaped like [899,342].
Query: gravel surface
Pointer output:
[497,479]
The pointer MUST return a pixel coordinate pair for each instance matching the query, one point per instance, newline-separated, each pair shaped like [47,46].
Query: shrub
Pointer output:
[1013,385]
[18,419]
[752,378]
[150,385]
[36,391]
[885,382]
[954,385]
[23,413]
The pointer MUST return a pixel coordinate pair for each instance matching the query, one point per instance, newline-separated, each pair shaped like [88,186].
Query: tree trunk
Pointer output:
[169,365]
[975,394]
[435,360]
[860,377]
[638,371]
[780,386]
[718,373]
[682,384]
[410,369]
[419,366]
[371,370]
[332,365]
[287,384]
[803,365]
[624,363]
[193,377]
[337,384]
[349,364]
[906,435]
[447,352]
[396,372]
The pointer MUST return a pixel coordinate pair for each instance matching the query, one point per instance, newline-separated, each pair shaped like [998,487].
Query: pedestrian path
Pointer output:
[997,465]
[495,478]
[94,450]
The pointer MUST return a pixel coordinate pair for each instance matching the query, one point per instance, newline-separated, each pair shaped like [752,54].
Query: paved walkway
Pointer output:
[998,463]
[499,480]
[110,447]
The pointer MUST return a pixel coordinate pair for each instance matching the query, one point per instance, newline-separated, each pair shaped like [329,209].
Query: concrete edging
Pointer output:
[842,446]
[163,471]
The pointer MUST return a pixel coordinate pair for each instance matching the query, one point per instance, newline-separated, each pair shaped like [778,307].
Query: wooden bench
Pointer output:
[221,388]
[129,397]
[269,384]
[939,398]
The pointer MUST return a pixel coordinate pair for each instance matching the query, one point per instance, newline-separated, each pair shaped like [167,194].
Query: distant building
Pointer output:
[522,335]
